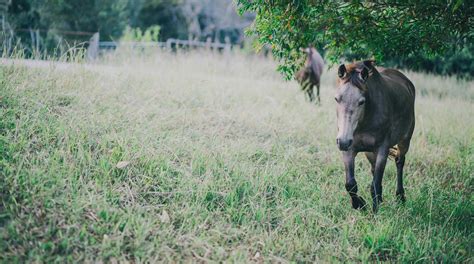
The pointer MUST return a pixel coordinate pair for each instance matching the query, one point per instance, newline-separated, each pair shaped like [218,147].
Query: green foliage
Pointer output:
[363,29]
[166,13]
[454,61]
[71,22]
[109,17]
[44,28]
[135,34]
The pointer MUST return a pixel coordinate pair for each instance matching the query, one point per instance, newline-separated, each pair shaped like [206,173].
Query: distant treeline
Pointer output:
[73,20]
[458,62]
[455,62]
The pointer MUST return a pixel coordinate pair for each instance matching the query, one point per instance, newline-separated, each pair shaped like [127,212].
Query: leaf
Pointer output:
[457,5]
[122,164]
[164,217]
[257,257]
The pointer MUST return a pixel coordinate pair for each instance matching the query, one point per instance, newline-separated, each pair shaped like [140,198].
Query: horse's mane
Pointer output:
[354,69]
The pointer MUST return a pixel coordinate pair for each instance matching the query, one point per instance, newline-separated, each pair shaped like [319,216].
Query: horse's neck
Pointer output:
[377,89]
[309,62]
[378,105]
[311,65]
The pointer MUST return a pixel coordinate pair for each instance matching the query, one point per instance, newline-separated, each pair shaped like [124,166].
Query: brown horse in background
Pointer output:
[375,115]
[310,75]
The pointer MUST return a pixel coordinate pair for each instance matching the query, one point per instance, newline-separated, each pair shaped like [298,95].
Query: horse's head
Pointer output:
[309,55]
[308,50]
[351,97]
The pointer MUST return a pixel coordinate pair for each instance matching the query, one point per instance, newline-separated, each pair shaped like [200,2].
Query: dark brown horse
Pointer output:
[375,115]
[310,75]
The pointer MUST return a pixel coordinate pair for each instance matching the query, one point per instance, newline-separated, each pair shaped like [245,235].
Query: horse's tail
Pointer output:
[305,84]
[394,152]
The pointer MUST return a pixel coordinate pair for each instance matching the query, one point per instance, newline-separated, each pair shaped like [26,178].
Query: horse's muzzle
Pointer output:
[343,145]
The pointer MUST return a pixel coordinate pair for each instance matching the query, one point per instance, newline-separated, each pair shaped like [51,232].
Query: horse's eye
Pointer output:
[361,102]
[338,99]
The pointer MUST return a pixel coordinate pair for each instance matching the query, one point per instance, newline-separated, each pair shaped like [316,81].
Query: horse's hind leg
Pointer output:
[400,161]
[305,87]
[317,92]
[310,93]
[371,157]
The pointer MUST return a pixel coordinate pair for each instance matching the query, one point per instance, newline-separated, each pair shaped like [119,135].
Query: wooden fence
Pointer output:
[96,47]
[170,44]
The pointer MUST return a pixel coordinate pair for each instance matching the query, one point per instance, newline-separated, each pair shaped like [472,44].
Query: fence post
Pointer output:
[227,44]
[37,40]
[93,49]
[208,43]
[168,44]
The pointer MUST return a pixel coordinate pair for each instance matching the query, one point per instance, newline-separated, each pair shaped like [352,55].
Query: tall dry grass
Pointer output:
[204,157]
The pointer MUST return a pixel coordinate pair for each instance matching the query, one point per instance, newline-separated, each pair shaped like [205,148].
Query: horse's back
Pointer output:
[400,87]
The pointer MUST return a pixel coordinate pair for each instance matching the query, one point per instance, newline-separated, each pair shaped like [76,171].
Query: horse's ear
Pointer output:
[341,72]
[364,74]
[305,50]
[369,66]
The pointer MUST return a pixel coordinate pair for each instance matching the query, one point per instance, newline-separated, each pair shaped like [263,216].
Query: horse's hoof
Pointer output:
[375,209]
[358,203]
[376,204]
[401,198]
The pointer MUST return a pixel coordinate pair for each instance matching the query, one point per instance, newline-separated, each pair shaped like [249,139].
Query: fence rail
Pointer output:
[169,44]
[114,45]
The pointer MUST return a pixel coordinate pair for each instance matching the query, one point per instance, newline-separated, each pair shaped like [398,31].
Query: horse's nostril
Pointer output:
[343,144]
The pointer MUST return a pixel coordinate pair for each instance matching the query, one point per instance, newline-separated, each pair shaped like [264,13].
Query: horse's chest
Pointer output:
[365,142]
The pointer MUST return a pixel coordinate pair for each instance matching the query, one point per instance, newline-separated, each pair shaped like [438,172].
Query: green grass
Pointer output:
[226,162]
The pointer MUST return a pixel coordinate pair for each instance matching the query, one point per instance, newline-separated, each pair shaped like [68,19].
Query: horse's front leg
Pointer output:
[376,187]
[351,184]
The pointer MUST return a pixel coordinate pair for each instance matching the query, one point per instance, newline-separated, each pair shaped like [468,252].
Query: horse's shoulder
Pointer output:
[397,83]
[395,76]
[392,73]
[317,58]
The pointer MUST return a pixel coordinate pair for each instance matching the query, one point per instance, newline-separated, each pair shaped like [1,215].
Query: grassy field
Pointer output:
[202,157]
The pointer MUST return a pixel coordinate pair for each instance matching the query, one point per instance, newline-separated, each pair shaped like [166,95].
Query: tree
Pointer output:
[381,29]
[216,19]
[50,24]
[109,17]
[165,13]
